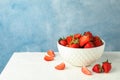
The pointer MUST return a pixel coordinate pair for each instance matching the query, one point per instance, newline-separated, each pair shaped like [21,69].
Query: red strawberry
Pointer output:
[74,46]
[89,45]
[86,71]
[89,34]
[69,39]
[78,35]
[48,58]
[97,68]
[83,40]
[97,41]
[60,66]
[51,53]
[63,42]
[106,66]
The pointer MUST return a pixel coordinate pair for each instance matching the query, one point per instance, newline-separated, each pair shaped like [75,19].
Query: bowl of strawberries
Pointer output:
[81,49]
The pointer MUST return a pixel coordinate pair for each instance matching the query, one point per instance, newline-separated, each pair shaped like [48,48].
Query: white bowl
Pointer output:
[80,56]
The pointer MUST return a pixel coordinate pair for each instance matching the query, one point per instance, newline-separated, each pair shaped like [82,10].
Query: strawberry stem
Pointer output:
[107,60]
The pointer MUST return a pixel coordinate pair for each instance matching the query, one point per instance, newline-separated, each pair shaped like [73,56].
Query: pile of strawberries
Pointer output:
[85,40]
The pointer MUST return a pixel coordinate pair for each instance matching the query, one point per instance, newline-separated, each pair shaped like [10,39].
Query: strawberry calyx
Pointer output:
[63,41]
[61,38]
[106,62]
[75,41]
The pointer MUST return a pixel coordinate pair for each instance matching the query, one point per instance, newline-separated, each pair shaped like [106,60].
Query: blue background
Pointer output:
[36,25]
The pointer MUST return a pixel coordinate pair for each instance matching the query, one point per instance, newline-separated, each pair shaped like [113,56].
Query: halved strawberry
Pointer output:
[51,53]
[86,71]
[60,66]
[83,40]
[48,58]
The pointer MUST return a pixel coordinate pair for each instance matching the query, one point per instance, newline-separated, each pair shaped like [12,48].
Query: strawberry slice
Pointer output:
[60,66]
[48,58]
[51,53]
[86,71]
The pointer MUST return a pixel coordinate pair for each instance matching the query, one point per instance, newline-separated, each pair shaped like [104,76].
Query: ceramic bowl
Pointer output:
[80,56]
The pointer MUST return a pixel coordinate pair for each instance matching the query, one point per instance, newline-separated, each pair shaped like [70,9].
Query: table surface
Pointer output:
[32,66]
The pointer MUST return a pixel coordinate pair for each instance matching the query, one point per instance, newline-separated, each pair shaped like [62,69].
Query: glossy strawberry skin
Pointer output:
[97,68]
[63,42]
[74,46]
[77,36]
[83,40]
[106,66]
[97,41]
[69,39]
[86,40]
[89,34]
[89,45]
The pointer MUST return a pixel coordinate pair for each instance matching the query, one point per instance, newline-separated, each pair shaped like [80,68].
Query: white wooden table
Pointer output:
[31,66]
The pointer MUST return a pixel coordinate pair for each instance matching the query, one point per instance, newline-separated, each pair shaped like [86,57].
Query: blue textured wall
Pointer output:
[36,25]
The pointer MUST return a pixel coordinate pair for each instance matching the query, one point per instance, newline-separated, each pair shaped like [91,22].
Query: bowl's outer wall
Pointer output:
[80,57]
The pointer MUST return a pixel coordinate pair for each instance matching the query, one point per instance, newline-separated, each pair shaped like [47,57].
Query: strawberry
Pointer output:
[60,66]
[86,40]
[62,41]
[83,40]
[86,71]
[48,58]
[69,39]
[97,41]
[89,45]
[77,36]
[74,45]
[97,68]
[89,34]
[106,66]
[51,53]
